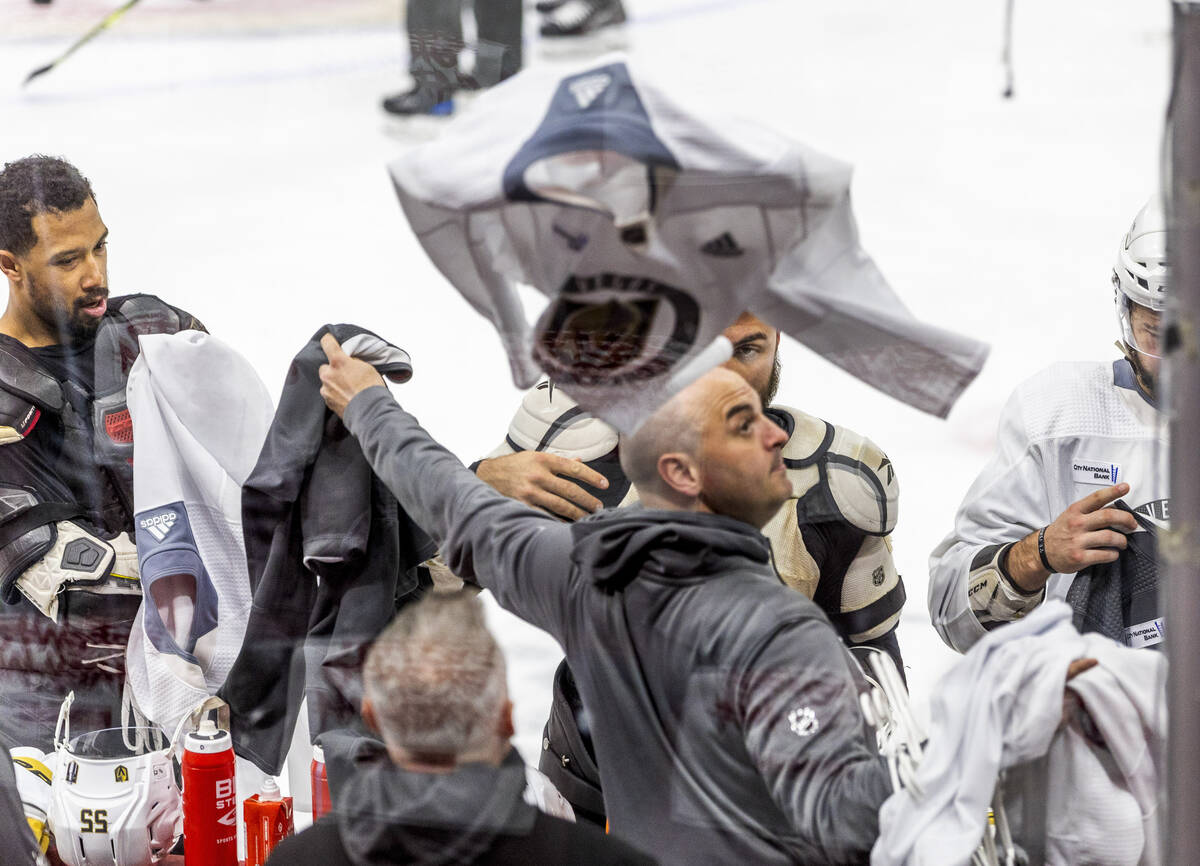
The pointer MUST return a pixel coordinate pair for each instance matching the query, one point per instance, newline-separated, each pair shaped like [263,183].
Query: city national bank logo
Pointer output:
[1099,472]
[611,329]
[160,524]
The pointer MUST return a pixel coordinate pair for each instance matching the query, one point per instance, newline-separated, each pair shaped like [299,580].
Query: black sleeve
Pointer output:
[833,545]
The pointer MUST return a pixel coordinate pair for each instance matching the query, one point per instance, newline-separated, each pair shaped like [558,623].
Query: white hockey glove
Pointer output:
[79,560]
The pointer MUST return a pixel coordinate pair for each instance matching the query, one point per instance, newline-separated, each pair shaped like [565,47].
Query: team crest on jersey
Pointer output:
[1159,511]
[611,329]
[121,773]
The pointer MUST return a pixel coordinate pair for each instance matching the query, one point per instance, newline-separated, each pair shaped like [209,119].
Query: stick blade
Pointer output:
[41,70]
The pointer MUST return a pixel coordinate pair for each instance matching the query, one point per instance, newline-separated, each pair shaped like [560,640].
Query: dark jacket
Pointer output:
[475,815]
[727,726]
[312,508]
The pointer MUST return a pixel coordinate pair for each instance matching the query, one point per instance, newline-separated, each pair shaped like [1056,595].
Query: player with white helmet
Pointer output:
[1140,291]
[1072,440]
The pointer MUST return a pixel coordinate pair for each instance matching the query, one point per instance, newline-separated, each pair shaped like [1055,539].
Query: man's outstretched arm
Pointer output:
[518,553]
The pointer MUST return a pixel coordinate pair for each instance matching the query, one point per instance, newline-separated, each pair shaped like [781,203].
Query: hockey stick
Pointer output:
[104,24]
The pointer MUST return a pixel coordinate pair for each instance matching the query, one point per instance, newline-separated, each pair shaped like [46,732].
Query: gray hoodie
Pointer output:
[726,720]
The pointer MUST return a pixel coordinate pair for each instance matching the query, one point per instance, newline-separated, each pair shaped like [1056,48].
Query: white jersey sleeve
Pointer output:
[1065,433]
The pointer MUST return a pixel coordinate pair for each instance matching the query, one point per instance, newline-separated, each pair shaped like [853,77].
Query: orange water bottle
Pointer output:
[268,822]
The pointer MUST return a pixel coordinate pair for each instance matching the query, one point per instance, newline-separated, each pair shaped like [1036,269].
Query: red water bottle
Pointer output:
[321,802]
[209,798]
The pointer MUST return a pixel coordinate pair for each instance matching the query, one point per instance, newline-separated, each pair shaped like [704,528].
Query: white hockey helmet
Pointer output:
[112,804]
[1140,275]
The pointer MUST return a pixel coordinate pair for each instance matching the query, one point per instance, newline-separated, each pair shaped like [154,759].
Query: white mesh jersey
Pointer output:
[201,415]
[1065,433]
[650,226]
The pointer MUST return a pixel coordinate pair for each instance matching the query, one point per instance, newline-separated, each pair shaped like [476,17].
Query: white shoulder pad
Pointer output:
[549,420]
[839,474]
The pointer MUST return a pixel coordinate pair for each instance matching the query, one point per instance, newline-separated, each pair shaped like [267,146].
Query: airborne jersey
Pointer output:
[1065,433]
[651,226]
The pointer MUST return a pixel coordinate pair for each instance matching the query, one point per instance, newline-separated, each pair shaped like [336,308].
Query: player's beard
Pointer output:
[767,394]
[67,320]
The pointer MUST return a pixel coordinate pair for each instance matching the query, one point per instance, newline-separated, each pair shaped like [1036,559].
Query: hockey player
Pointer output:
[727,721]
[1072,440]
[830,540]
[435,40]
[68,565]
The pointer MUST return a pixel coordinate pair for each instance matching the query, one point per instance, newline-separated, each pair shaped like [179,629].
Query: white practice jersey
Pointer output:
[650,226]
[1065,433]
[200,416]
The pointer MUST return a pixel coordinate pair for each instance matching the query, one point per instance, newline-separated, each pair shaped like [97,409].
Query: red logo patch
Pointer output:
[119,427]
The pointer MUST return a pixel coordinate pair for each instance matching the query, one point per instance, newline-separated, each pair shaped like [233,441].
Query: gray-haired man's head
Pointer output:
[435,684]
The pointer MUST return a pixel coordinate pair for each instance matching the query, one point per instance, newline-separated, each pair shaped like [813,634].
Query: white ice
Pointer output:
[243,178]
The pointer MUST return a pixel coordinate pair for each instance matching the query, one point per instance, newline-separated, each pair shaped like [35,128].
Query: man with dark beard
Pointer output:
[830,540]
[68,564]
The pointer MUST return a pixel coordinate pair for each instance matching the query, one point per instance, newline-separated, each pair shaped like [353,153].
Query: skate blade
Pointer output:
[615,37]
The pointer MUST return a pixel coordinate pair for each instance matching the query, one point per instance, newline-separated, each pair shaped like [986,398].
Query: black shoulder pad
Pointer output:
[150,315]
[21,376]
[18,417]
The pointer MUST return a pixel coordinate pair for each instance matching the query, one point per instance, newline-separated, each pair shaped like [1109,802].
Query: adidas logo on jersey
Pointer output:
[587,90]
[160,524]
[723,247]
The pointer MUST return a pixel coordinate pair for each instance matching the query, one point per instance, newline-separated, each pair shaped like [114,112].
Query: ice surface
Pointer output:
[243,178]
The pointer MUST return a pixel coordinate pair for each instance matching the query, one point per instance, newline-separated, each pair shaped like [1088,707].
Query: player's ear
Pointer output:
[504,725]
[9,265]
[680,472]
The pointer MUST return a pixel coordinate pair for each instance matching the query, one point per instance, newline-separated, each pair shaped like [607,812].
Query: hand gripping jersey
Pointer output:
[650,226]
[1065,433]
[331,558]
[201,415]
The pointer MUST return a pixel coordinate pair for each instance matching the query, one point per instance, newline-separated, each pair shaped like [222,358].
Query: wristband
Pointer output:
[1042,549]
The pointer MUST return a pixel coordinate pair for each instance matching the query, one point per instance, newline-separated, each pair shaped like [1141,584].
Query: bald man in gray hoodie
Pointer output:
[726,724]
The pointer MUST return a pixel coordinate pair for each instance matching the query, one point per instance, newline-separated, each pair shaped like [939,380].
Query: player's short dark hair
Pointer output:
[34,185]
